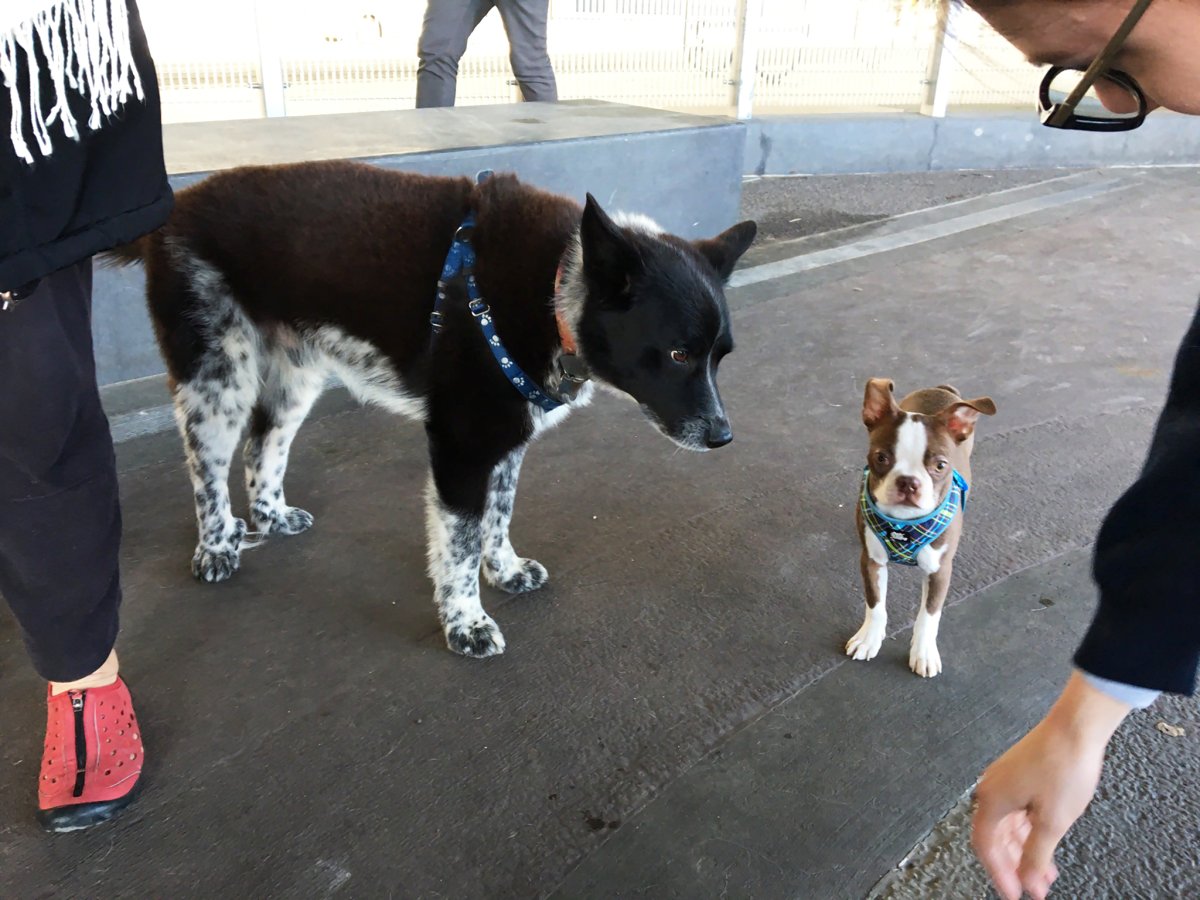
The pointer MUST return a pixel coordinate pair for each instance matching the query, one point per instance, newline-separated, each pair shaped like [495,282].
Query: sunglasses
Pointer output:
[1063,89]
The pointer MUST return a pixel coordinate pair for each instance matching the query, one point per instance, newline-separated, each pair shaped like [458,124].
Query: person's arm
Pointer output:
[1146,632]
[1029,797]
[1145,638]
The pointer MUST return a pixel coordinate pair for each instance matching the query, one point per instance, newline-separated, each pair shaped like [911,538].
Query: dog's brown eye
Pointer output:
[941,465]
[881,458]
[679,356]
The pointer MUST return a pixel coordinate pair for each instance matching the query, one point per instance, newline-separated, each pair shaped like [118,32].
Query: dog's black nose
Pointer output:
[719,434]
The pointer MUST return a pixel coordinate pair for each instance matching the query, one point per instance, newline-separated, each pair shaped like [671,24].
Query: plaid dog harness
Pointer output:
[905,538]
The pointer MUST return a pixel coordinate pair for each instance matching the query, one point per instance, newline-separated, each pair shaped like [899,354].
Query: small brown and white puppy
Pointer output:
[909,493]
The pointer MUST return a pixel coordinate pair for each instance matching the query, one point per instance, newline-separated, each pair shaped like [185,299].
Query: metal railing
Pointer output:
[773,56]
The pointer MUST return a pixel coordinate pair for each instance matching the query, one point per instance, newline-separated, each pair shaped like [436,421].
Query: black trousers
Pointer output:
[60,515]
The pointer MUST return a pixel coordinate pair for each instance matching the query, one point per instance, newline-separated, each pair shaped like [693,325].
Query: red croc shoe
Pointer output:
[93,761]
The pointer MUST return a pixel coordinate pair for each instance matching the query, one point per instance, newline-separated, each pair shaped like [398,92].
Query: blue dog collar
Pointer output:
[904,539]
[461,261]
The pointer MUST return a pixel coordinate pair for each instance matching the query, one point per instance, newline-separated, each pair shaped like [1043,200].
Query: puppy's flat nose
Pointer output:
[907,484]
[719,434]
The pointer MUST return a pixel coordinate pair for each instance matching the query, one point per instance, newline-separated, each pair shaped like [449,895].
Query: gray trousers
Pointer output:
[448,24]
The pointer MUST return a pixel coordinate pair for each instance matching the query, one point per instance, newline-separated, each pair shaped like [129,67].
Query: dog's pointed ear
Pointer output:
[878,402]
[724,250]
[960,418]
[610,258]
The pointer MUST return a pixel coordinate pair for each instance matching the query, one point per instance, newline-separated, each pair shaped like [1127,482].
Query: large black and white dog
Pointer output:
[266,280]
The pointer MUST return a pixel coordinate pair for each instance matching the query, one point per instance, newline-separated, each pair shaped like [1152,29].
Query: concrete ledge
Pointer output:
[682,170]
[906,142]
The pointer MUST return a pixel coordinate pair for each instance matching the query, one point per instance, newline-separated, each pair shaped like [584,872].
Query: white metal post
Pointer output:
[270,61]
[745,56]
[942,64]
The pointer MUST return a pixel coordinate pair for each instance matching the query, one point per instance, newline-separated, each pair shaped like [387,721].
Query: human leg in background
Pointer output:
[444,33]
[525,24]
[60,532]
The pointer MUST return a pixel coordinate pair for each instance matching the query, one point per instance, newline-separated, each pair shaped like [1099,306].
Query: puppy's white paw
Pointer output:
[866,643]
[924,659]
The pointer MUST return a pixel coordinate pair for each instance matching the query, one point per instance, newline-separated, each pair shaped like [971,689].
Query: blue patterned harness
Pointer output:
[460,261]
[905,538]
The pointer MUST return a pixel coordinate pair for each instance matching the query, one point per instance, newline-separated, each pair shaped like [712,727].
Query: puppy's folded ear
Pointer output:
[724,250]
[878,402]
[960,418]
[610,259]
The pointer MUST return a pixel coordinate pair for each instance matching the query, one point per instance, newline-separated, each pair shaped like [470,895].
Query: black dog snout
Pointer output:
[718,433]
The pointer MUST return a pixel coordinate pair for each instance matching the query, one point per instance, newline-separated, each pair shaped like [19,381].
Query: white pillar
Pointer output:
[745,56]
[940,74]
[270,62]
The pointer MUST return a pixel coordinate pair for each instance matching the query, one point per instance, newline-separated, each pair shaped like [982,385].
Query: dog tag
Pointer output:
[570,375]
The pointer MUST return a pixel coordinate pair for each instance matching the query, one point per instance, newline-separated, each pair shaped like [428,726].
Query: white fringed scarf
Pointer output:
[86,47]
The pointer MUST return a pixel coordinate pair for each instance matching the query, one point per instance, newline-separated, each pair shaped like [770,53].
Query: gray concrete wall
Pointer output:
[903,142]
[684,171]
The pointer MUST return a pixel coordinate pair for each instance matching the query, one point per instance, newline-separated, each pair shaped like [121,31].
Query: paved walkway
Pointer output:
[673,717]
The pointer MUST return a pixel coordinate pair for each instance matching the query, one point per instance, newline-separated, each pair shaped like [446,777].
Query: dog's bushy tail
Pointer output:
[127,254]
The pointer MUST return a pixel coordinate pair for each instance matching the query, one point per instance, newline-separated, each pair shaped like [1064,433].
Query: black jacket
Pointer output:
[107,188]
[1147,629]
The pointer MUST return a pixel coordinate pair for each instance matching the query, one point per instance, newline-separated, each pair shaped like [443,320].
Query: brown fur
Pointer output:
[949,423]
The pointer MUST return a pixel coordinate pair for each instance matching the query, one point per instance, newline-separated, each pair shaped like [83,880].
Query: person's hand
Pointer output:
[1029,797]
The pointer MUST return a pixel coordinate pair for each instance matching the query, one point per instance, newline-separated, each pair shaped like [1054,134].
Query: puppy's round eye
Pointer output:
[881,458]
[941,465]
[679,356]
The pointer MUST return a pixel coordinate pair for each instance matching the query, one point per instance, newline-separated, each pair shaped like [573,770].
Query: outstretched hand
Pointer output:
[1029,797]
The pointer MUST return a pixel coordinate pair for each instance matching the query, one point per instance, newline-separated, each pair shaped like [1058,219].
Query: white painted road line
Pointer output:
[919,234]
[126,426]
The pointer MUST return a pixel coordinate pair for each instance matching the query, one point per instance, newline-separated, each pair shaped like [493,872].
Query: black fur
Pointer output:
[281,273]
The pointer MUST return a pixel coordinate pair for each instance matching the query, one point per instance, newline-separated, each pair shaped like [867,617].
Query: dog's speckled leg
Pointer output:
[211,410]
[501,565]
[455,551]
[292,386]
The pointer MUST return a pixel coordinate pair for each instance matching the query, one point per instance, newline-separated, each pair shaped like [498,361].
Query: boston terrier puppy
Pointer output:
[910,507]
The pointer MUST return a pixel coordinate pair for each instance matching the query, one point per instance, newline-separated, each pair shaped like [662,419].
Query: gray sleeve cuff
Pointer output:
[1134,696]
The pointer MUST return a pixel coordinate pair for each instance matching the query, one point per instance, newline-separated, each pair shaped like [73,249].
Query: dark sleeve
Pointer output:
[106,188]
[1147,561]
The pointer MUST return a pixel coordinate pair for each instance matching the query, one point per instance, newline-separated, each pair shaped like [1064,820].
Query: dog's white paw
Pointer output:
[217,561]
[280,520]
[479,637]
[519,576]
[924,659]
[214,565]
[866,643]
